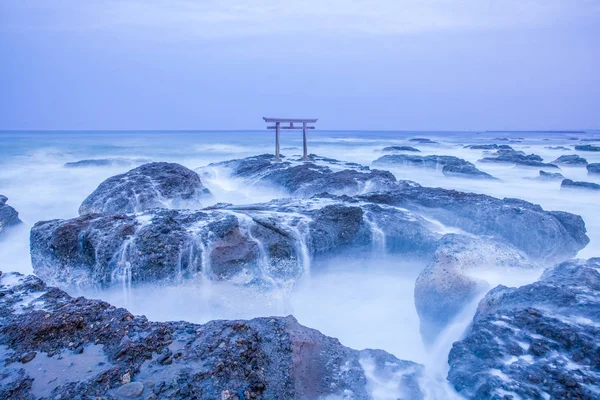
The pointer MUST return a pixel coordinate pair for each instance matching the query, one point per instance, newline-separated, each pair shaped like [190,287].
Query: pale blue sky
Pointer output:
[379,64]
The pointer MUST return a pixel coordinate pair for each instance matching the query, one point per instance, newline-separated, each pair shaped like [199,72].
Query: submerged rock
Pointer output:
[400,148]
[550,176]
[158,184]
[126,355]
[593,168]
[570,184]
[533,342]
[106,162]
[8,215]
[573,159]
[518,158]
[466,171]
[587,147]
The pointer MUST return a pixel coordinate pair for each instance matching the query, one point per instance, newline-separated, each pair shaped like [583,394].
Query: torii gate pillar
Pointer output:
[291,122]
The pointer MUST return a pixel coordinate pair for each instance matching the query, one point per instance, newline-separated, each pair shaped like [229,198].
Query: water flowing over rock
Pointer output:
[390,149]
[593,168]
[537,341]
[55,346]
[306,178]
[8,215]
[518,158]
[578,185]
[573,160]
[587,147]
[152,185]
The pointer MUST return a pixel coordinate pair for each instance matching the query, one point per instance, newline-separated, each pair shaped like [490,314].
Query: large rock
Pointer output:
[106,352]
[518,158]
[152,185]
[570,184]
[450,165]
[445,287]
[466,171]
[390,149]
[571,160]
[593,168]
[306,178]
[270,243]
[587,147]
[8,215]
[533,342]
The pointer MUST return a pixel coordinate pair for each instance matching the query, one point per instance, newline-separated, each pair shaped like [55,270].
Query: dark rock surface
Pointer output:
[533,342]
[587,147]
[8,215]
[557,148]
[466,171]
[488,146]
[149,186]
[87,349]
[106,162]
[573,160]
[517,158]
[570,184]
[422,141]
[550,176]
[435,162]
[400,148]
[306,178]
[593,168]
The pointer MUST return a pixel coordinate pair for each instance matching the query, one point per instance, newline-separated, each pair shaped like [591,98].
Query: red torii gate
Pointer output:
[291,121]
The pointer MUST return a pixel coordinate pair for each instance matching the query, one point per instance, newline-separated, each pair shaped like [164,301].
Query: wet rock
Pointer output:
[593,168]
[422,141]
[550,176]
[587,147]
[149,186]
[572,160]
[466,171]
[390,149]
[435,162]
[488,147]
[570,184]
[518,158]
[270,358]
[557,148]
[8,215]
[536,341]
[106,162]
[28,357]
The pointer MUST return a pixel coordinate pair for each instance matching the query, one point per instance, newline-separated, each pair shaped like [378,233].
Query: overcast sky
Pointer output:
[362,64]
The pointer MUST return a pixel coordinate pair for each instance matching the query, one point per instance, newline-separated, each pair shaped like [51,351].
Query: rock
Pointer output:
[131,390]
[570,184]
[536,341]
[106,162]
[557,148]
[400,148]
[420,161]
[268,358]
[587,147]
[149,186]
[488,147]
[8,215]
[593,168]
[466,171]
[550,176]
[504,156]
[422,141]
[27,357]
[573,159]
[302,178]
[445,287]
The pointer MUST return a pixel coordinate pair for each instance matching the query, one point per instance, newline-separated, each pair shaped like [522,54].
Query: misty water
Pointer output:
[366,302]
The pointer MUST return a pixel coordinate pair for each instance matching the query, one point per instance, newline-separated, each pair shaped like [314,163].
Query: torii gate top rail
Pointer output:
[290,121]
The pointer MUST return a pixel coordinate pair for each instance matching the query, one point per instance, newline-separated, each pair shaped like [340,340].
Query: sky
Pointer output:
[362,64]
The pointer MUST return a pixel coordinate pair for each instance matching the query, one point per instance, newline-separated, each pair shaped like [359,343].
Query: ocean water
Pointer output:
[366,303]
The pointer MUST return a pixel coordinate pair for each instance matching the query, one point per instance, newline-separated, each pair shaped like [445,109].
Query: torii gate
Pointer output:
[291,121]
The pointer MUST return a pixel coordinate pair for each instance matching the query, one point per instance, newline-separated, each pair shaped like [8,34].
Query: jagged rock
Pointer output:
[152,185]
[8,215]
[466,171]
[420,161]
[488,147]
[400,148]
[573,159]
[306,178]
[422,141]
[444,287]
[570,184]
[267,358]
[550,176]
[587,147]
[518,158]
[533,342]
[106,162]
[593,168]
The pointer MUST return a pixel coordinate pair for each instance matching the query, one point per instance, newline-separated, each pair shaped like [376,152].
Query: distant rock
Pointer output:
[557,148]
[444,287]
[550,176]
[533,342]
[571,160]
[587,147]
[488,147]
[518,158]
[125,355]
[466,171]
[435,162]
[152,185]
[399,148]
[593,168]
[570,184]
[8,215]
[106,162]
[422,141]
